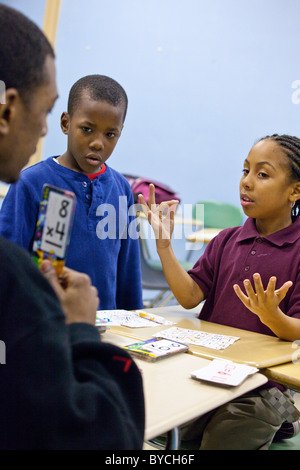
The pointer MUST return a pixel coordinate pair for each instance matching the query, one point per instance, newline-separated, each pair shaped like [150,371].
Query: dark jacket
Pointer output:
[60,386]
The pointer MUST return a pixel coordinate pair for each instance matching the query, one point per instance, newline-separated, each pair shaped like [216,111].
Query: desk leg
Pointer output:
[173,439]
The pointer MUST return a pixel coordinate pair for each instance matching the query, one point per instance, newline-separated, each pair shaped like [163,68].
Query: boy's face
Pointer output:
[93,131]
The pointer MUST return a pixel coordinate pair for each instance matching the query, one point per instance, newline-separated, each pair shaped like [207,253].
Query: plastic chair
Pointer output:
[153,277]
[219,214]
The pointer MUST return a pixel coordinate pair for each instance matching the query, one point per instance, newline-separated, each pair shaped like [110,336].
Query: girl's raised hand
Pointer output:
[161,217]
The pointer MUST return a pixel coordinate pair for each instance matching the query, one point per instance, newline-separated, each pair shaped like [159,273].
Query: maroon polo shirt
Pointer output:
[236,254]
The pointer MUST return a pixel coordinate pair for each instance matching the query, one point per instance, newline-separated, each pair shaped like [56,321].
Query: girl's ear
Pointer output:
[8,110]
[65,122]
[295,195]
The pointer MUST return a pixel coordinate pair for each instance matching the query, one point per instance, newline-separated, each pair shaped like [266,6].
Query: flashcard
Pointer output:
[224,372]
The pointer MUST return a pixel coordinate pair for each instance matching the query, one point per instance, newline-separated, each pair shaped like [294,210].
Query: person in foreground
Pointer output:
[249,278]
[61,387]
[97,107]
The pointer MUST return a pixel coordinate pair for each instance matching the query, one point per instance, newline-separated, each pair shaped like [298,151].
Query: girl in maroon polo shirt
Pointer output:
[254,271]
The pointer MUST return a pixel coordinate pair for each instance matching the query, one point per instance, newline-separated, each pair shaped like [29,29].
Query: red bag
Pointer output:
[140,185]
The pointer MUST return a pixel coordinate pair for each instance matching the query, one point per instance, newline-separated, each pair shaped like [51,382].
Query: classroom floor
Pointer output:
[287,444]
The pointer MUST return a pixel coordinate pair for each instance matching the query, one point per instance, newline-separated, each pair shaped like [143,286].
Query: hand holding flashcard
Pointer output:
[54,226]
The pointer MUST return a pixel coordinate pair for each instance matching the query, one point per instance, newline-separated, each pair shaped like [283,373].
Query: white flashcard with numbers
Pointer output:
[54,224]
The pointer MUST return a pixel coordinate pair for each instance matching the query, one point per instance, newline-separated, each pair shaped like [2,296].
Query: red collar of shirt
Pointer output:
[94,175]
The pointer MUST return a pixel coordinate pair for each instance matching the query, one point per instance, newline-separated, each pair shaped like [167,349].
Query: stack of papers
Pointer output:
[198,338]
[132,319]
[224,372]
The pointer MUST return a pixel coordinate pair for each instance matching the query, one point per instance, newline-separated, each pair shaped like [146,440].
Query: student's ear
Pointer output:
[295,196]
[8,110]
[65,122]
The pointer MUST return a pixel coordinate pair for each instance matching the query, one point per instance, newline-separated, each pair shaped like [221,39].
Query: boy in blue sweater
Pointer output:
[100,244]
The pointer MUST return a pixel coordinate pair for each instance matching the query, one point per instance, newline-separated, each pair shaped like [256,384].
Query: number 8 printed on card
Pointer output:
[53,228]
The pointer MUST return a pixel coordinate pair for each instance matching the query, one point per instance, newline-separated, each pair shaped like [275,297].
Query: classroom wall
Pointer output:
[205,80]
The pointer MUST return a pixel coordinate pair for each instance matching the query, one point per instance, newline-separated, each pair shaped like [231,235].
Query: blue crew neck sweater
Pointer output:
[103,240]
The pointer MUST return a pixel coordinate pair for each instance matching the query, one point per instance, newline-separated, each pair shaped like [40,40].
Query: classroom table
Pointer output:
[172,398]
[255,349]
[204,235]
[285,374]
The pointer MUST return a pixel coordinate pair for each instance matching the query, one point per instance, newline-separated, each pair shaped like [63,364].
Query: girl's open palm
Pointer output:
[264,303]
[161,217]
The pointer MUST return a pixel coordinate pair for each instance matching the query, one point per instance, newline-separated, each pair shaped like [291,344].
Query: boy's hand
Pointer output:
[79,299]
[161,217]
[264,303]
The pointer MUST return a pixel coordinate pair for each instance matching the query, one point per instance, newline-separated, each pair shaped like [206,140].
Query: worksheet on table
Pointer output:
[198,338]
[127,318]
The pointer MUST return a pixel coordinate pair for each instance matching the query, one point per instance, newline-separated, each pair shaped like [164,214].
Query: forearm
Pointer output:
[161,218]
[184,288]
[283,326]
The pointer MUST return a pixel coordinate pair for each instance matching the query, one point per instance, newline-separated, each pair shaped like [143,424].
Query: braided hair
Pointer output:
[291,148]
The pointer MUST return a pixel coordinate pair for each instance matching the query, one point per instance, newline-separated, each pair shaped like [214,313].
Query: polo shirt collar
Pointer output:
[286,236]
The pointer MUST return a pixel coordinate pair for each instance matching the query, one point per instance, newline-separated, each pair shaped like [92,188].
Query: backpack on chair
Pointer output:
[140,185]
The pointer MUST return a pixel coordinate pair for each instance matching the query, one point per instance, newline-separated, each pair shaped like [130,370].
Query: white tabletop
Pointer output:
[172,398]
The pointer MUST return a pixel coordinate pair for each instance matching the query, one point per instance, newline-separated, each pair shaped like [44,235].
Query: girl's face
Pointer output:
[266,190]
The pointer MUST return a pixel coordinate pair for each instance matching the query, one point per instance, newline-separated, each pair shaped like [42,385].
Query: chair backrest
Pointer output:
[152,278]
[219,214]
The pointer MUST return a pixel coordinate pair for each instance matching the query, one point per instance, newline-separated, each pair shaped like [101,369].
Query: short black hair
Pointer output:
[100,88]
[23,52]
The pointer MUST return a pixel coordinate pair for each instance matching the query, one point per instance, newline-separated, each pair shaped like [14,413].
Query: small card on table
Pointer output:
[224,372]
[155,349]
